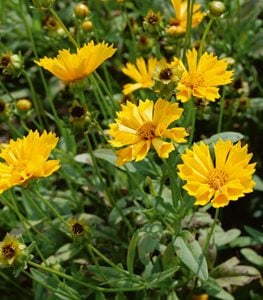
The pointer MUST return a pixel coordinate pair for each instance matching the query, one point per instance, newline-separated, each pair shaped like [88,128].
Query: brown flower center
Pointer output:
[9,251]
[217,179]
[77,228]
[77,112]
[193,80]
[5,61]
[147,131]
[166,74]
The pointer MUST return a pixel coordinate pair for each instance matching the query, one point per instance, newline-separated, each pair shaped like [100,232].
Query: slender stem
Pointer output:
[69,35]
[98,173]
[90,286]
[202,43]
[191,118]
[211,232]
[187,41]
[52,209]
[221,112]
[104,258]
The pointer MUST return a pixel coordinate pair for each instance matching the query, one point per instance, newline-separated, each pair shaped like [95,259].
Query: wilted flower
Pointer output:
[139,127]
[168,72]
[78,114]
[141,73]
[202,77]
[10,250]
[74,67]
[179,23]
[10,63]
[27,158]
[226,178]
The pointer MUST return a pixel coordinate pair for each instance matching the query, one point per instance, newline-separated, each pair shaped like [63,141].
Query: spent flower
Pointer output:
[11,251]
[137,127]
[225,178]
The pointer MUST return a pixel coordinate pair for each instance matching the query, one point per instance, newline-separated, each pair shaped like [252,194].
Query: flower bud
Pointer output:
[23,104]
[87,26]
[81,10]
[42,4]
[78,115]
[216,8]
[152,22]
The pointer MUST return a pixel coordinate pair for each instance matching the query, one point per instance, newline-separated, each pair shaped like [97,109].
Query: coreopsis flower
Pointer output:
[225,178]
[27,158]
[139,126]
[72,67]
[203,77]
[141,73]
[10,250]
[179,23]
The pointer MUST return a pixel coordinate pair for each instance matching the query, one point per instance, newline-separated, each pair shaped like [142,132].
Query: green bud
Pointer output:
[42,4]
[216,8]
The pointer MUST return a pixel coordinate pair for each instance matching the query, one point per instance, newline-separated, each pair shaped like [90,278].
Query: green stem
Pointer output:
[87,285]
[211,232]
[187,41]
[191,119]
[69,35]
[52,209]
[203,40]
[221,112]
[98,173]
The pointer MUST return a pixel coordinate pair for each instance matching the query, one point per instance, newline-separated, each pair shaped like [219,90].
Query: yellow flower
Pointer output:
[226,179]
[73,67]
[202,77]
[139,127]
[10,250]
[141,73]
[179,23]
[27,158]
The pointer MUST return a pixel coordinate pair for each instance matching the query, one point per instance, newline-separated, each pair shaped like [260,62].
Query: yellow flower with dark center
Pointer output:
[179,23]
[141,73]
[139,126]
[202,77]
[10,250]
[72,67]
[226,179]
[27,158]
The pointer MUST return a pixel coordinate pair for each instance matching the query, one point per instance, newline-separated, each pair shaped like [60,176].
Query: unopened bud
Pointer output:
[23,104]
[87,26]
[216,8]
[81,10]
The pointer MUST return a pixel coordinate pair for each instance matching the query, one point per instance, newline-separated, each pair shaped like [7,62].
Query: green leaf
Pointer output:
[230,273]
[149,239]
[132,251]
[227,135]
[252,256]
[256,234]
[191,254]
[215,290]
[156,278]
[258,181]
[64,253]
[225,237]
